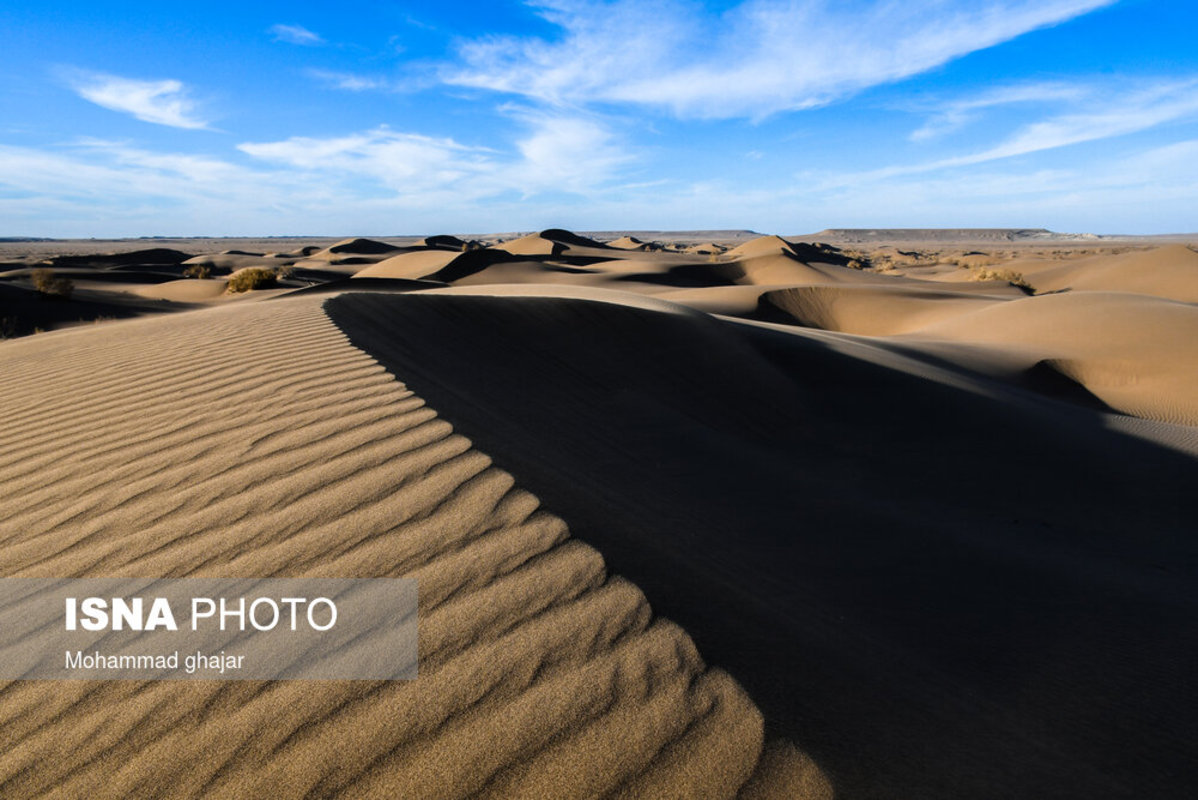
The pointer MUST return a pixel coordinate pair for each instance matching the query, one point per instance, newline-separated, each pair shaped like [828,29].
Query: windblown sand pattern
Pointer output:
[256,441]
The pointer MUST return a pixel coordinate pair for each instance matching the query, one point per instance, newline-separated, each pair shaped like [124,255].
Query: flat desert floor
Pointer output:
[753,517]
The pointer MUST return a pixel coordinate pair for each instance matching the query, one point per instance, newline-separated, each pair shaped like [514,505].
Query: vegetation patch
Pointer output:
[251,278]
[49,284]
[201,271]
[1009,275]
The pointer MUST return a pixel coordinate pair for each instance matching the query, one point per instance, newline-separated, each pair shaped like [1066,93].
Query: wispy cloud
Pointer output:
[350,81]
[360,82]
[557,153]
[377,180]
[295,34]
[98,187]
[405,162]
[959,113]
[1136,110]
[162,102]
[760,57]
[114,188]
[1095,113]
[1142,191]
[565,153]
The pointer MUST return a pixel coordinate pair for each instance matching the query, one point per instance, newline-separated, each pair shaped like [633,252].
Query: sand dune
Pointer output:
[750,521]
[438,265]
[706,248]
[184,291]
[628,243]
[358,247]
[444,242]
[237,260]
[870,311]
[738,477]
[1170,272]
[183,447]
[553,242]
[1137,354]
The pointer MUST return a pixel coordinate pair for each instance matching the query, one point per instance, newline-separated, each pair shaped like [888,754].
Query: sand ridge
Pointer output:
[254,440]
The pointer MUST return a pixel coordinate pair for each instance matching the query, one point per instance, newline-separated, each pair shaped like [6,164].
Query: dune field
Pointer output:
[705,515]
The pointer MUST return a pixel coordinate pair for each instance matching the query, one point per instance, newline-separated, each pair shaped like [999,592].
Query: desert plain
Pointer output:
[860,514]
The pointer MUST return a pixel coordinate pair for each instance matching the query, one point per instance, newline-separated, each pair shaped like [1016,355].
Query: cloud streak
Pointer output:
[378,180]
[760,58]
[161,102]
[960,113]
[295,34]
[350,81]
[556,154]
[1102,113]
[1146,191]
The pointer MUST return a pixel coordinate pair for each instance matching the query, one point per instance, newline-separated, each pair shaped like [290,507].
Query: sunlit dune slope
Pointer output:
[255,440]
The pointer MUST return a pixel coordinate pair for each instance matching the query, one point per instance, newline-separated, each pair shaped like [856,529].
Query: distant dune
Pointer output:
[730,517]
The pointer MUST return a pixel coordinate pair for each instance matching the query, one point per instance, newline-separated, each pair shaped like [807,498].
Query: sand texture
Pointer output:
[285,451]
[764,519]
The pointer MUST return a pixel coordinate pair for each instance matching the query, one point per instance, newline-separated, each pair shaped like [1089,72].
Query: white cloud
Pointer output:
[162,102]
[358,82]
[1143,191]
[100,188]
[567,153]
[760,57]
[295,34]
[404,162]
[558,153]
[349,81]
[1098,113]
[377,181]
[1133,111]
[959,113]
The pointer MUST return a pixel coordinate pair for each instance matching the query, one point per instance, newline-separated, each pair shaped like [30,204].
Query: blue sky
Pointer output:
[785,116]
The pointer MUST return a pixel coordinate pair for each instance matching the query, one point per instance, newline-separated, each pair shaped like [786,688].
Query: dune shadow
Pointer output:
[935,592]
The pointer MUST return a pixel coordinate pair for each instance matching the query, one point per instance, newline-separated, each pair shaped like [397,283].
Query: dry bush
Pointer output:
[200,271]
[251,278]
[49,284]
[1009,275]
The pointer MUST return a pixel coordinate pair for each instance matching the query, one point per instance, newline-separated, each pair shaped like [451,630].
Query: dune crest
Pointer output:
[539,671]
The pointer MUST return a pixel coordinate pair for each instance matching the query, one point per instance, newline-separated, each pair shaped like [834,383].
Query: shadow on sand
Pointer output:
[935,592]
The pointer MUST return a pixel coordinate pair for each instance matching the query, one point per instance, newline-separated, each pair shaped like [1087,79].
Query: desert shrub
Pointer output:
[49,284]
[251,278]
[200,271]
[1009,275]
[283,271]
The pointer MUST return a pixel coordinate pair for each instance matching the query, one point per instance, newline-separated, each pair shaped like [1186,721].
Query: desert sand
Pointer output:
[693,515]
